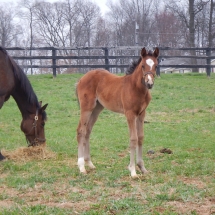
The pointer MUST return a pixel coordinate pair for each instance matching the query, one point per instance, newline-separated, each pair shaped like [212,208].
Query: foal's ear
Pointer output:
[143,52]
[156,52]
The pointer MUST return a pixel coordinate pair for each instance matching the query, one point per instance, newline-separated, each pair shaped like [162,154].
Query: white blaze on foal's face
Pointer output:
[150,79]
[150,62]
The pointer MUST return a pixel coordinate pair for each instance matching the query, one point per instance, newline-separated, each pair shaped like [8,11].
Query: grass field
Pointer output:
[181,117]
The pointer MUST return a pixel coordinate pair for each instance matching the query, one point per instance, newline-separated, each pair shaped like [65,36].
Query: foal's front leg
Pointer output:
[140,133]
[131,119]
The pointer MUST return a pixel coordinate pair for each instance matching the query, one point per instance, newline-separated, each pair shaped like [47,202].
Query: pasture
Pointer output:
[181,117]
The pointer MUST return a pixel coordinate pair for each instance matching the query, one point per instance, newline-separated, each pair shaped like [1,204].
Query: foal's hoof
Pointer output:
[145,172]
[135,176]
[83,172]
[142,169]
[90,164]
[133,172]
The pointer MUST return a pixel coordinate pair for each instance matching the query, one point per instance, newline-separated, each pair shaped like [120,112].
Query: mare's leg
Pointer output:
[94,116]
[1,101]
[81,137]
[140,133]
[131,119]
[1,156]
[1,104]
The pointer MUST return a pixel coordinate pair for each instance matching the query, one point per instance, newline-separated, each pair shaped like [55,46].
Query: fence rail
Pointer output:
[105,57]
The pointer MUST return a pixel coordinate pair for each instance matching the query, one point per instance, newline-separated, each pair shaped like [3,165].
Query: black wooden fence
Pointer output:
[110,58]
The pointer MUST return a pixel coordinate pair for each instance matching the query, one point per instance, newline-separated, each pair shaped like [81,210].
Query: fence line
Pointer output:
[110,56]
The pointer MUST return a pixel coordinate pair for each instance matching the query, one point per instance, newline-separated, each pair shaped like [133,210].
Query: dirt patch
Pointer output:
[206,207]
[68,193]
[159,209]
[193,181]
[189,110]
[155,155]
[6,204]
[61,195]
[195,149]
[29,153]
[57,197]
[78,206]
[6,192]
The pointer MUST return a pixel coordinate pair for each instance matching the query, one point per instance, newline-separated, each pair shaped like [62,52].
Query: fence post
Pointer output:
[106,59]
[208,62]
[54,61]
[158,70]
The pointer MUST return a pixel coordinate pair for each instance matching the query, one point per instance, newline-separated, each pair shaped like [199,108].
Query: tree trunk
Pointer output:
[192,33]
[210,35]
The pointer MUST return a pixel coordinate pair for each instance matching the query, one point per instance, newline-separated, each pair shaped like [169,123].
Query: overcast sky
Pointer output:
[100,3]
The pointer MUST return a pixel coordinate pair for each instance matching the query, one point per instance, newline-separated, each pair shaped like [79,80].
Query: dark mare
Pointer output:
[13,82]
[128,95]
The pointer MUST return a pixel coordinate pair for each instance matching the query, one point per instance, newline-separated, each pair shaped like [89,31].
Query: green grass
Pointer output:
[181,117]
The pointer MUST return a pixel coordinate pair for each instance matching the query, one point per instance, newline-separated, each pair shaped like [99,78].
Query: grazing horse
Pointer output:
[128,95]
[13,82]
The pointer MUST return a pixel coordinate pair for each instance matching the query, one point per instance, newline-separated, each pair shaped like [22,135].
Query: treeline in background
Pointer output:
[80,23]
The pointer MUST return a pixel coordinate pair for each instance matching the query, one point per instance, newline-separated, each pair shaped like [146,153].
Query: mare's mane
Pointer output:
[22,81]
[135,63]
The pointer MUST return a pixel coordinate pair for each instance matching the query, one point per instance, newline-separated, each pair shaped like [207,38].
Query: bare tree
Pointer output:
[27,13]
[189,18]
[211,26]
[122,23]
[102,34]
[71,15]
[126,15]
[50,25]
[89,14]
[168,29]
[187,12]
[8,30]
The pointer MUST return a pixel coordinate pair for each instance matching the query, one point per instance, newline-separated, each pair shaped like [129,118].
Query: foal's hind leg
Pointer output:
[81,137]
[94,116]
[140,133]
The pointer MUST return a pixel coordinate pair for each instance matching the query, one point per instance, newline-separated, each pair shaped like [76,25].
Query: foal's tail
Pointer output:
[76,93]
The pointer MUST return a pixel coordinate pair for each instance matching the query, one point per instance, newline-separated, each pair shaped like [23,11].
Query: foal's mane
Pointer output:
[135,63]
[23,82]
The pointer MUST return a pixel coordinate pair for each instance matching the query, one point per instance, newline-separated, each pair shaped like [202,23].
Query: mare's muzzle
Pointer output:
[37,140]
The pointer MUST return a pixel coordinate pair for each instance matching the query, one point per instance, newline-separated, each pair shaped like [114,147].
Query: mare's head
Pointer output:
[33,126]
[149,64]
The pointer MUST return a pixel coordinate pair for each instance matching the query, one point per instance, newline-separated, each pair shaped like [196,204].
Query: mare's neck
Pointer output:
[24,104]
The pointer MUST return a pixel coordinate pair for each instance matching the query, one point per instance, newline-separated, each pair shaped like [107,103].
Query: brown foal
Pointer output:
[129,95]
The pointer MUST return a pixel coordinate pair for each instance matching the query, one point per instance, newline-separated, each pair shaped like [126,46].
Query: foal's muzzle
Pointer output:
[148,80]
[149,86]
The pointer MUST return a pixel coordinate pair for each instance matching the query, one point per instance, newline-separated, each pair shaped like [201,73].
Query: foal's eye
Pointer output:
[42,124]
[143,66]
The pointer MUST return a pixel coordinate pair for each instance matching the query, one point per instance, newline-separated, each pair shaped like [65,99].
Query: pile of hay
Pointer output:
[29,153]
